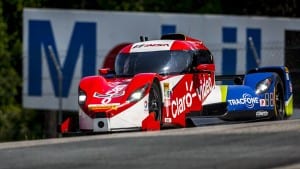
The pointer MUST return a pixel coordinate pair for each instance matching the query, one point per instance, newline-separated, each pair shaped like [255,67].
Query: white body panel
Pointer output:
[214,97]
[129,118]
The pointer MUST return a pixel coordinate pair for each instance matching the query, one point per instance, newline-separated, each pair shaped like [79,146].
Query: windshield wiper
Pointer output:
[125,75]
[169,73]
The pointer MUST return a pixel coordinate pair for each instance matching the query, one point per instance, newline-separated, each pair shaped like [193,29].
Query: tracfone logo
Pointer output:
[246,99]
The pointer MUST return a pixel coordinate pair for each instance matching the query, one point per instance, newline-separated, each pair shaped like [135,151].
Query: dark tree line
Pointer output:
[17,123]
[285,8]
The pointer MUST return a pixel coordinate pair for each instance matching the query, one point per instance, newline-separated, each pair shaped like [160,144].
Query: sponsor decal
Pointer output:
[99,107]
[180,104]
[151,45]
[271,99]
[114,92]
[167,95]
[287,76]
[262,102]
[168,120]
[246,99]
[267,101]
[262,114]
[146,105]
[167,91]
[205,88]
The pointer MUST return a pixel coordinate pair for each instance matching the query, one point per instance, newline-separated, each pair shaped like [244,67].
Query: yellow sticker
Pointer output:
[97,107]
[167,90]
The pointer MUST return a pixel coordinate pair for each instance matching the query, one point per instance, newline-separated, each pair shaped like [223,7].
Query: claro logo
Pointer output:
[180,104]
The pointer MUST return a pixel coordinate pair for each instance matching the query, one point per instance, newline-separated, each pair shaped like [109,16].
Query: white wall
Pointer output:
[113,28]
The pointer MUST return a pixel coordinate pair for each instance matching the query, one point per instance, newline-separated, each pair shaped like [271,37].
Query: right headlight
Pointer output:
[263,86]
[81,97]
[138,94]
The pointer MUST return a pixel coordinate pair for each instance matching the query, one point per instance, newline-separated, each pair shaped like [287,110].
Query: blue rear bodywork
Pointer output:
[243,102]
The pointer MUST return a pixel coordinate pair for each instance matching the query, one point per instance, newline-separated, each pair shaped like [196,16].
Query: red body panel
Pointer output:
[111,91]
[107,97]
[187,96]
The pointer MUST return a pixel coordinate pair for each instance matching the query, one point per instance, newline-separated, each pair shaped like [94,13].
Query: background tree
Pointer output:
[15,123]
[282,8]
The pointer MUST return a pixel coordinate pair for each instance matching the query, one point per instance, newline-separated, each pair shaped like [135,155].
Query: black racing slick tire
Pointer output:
[279,105]
[155,101]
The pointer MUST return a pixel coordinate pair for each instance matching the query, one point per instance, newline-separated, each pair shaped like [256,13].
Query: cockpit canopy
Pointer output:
[161,62]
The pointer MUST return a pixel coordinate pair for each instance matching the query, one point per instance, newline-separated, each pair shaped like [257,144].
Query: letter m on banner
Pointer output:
[83,38]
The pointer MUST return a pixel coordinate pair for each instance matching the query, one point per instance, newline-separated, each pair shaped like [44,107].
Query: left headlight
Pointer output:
[81,97]
[138,94]
[263,86]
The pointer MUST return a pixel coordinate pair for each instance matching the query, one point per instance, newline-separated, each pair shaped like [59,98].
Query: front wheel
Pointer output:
[155,101]
[279,105]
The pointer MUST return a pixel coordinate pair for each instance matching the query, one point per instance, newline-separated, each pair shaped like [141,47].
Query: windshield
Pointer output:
[162,62]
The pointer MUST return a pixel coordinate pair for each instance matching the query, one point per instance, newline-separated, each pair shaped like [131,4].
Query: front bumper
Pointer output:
[130,118]
[94,125]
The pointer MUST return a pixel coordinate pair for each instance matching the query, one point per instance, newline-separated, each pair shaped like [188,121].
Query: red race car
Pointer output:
[155,83]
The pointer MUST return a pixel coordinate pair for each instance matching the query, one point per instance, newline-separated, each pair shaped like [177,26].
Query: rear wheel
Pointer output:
[279,106]
[155,101]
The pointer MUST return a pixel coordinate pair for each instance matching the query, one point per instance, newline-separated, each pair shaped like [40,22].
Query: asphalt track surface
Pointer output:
[215,145]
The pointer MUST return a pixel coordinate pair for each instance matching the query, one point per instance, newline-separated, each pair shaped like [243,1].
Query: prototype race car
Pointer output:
[166,82]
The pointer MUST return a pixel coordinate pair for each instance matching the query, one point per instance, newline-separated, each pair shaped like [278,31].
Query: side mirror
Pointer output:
[206,67]
[238,80]
[104,71]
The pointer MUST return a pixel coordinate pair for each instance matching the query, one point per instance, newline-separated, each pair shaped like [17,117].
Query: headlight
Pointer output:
[263,86]
[138,94]
[81,97]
